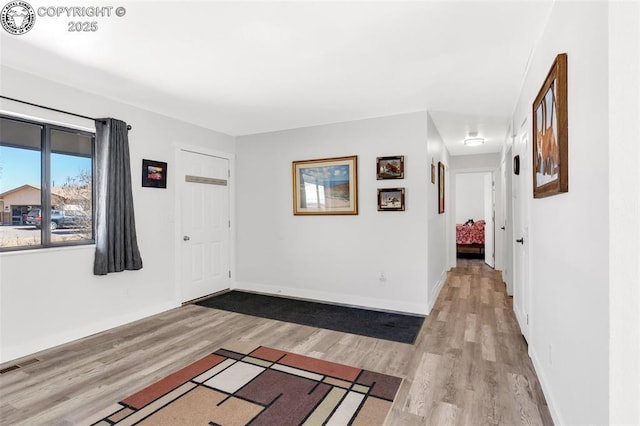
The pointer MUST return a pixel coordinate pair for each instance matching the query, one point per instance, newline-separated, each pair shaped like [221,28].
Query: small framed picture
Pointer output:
[433,173]
[154,174]
[391,199]
[390,167]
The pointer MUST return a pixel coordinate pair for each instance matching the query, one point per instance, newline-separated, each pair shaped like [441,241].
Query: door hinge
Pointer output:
[527,315]
[229,173]
[229,273]
[229,224]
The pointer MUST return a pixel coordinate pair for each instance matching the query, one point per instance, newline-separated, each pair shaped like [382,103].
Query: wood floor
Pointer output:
[469,365]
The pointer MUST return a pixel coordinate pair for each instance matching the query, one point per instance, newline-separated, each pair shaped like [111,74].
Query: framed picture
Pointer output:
[550,133]
[433,173]
[440,187]
[154,174]
[390,167]
[327,186]
[391,199]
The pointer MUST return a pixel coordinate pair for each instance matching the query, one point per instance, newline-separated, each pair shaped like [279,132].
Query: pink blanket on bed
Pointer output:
[470,234]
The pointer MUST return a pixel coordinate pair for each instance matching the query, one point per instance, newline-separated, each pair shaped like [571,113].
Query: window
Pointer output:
[46,185]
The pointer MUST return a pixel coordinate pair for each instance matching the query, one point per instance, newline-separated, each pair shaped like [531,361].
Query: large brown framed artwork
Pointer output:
[551,133]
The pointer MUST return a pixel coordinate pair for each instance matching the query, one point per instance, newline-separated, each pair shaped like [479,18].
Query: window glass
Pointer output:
[20,178]
[71,187]
[62,211]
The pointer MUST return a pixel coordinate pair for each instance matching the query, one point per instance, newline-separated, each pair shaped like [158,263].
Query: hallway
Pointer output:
[468,366]
[473,367]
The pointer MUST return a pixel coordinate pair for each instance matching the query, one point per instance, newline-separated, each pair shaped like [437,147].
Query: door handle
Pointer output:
[186,238]
[520,240]
[503,228]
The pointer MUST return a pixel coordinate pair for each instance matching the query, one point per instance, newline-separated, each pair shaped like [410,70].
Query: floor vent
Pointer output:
[19,365]
[6,370]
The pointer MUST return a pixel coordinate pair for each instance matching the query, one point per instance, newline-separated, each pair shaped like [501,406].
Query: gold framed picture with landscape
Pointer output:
[327,186]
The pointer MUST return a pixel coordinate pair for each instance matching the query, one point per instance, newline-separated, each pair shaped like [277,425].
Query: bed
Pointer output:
[470,237]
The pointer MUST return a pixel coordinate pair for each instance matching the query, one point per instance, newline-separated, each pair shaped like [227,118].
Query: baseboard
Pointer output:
[341,299]
[197,299]
[520,318]
[546,389]
[18,351]
[436,291]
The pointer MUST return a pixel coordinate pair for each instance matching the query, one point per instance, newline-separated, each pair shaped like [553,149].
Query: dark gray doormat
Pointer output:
[365,322]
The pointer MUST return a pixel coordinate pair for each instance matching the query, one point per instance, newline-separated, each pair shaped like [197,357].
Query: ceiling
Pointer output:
[252,67]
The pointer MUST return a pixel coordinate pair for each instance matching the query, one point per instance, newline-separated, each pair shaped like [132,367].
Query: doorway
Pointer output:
[19,215]
[474,214]
[204,206]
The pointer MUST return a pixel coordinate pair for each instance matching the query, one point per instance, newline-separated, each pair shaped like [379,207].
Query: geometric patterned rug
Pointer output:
[263,386]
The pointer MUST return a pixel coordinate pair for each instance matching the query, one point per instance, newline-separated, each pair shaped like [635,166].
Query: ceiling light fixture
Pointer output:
[475,141]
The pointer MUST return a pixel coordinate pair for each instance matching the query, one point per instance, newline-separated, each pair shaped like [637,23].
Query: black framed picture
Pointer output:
[154,174]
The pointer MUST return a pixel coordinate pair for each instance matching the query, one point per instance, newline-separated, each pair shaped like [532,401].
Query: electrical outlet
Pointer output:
[383,277]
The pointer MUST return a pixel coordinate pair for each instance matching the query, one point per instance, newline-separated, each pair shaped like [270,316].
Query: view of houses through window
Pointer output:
[46,185]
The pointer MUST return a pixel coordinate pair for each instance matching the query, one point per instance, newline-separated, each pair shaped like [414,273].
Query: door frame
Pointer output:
[174,175]
[507,216]
[451,233]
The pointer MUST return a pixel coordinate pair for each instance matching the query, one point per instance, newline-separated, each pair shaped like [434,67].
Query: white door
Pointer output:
[521,233]
[204,197]
[490,219]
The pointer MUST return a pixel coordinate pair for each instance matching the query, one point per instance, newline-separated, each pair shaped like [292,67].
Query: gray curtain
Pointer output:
[115,235]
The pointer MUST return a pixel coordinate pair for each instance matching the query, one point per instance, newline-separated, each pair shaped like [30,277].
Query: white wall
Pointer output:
[475,162]
[50,296]
[624,211]
[335,258]
[438,223]
[568,233]
[469,197]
